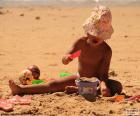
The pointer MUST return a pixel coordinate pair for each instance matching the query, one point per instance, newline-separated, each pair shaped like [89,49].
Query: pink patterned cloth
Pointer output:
[99,23]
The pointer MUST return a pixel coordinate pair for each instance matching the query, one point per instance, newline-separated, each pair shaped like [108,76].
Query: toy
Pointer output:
[5,106]
[26,77]
[42,81]
[87,85]
[8,104]
[117,98]
[38,81]
[76,54]
[25,100]
[35,71]
[64,74]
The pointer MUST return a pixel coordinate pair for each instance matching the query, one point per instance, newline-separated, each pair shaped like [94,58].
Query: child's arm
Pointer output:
[103,74]
[104,69]
[70,55]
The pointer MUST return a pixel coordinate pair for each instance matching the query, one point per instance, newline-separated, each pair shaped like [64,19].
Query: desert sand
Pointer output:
[41,35]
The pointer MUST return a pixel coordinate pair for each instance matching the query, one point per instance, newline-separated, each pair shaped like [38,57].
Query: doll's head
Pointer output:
[35,71]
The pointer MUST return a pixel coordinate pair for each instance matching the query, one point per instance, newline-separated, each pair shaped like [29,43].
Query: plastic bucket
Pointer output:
[87,87]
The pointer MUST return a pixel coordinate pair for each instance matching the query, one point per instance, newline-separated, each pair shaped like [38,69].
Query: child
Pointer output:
[94,60]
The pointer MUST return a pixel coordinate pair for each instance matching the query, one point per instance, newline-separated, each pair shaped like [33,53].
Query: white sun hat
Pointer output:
[99,23]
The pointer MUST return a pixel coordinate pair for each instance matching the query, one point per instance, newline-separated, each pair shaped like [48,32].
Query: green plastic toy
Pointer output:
[64,74]
[37,82]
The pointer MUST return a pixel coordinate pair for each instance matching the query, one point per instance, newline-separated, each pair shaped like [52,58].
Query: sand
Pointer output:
[41,35]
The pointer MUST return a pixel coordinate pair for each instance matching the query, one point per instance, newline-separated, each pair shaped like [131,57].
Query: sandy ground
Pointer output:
[42,35]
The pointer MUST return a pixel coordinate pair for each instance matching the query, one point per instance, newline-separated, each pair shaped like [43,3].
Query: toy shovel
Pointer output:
[76,54]
[6,106]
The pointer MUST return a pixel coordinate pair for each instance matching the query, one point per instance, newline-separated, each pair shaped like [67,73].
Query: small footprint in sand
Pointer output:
[137,14]
[64,16]
[2,54]
[59,9]
[126,72]
[112,73]
[37,18]
[48,53]
[22,14]
[73,28]
[8,64]
[125,36]
[129,86]
[53,64]
[1,13]
[73,34]
[54,19]
[31,9]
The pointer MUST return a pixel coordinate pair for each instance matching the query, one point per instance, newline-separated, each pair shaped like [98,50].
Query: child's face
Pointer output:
[94,41]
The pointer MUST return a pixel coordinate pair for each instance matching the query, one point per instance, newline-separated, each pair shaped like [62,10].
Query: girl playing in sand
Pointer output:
[94,60]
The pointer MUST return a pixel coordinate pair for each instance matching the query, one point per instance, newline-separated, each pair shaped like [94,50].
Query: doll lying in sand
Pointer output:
[31,75]
[94,60]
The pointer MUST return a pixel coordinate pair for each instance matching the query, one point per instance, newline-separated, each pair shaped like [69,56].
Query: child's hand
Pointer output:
[66,59]
[104,89]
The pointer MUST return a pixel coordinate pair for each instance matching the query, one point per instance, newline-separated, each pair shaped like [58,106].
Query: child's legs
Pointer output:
[114,86]
[52,86]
